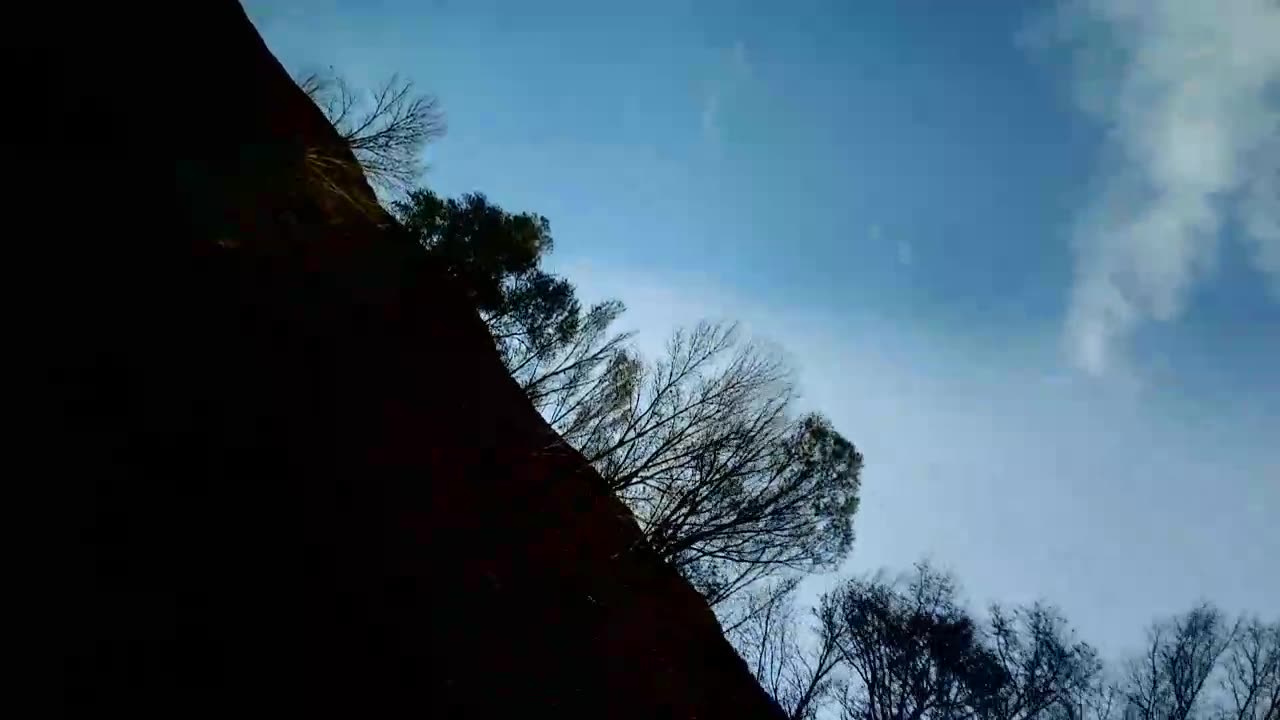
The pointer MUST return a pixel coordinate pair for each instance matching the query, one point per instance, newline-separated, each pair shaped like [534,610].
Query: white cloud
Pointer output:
[1193,113]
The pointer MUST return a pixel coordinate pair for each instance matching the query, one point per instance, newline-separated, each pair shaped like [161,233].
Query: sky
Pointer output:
[1026,256]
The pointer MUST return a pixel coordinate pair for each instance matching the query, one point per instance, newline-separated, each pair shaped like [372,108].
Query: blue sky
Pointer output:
[1026,256]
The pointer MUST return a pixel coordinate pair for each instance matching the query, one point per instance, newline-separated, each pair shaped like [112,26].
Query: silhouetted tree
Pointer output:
[387,128]
[725,483]
[1041,666]
[906,649]
[796,668]
[913,652]
[1251,673]
[1168,680]
[1099,699]
[554,349]
[761,599]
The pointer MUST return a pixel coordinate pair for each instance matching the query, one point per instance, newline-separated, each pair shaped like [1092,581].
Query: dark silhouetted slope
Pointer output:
[281,469]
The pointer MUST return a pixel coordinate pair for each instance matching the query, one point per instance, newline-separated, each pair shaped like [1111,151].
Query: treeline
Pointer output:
[745,496]
[906,648]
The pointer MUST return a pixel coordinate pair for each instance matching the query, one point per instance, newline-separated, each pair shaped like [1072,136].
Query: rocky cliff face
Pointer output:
[283,471]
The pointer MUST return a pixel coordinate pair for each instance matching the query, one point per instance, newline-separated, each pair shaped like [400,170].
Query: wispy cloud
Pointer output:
[740,66]
[733,68]
[711,115]
[1190,94]
[904,251]
[906,255]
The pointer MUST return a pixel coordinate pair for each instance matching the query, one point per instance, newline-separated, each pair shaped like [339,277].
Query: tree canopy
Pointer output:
[728,483]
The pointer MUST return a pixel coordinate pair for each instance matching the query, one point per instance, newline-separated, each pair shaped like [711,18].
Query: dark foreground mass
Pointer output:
[281,468]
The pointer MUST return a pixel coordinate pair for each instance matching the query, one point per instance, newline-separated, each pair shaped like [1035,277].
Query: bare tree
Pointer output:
[1101,700]
[795,667]
[906,649]
[1041,666]
[756,602]
[1168,680]
[561,369]
[1098,699]
[387,128]
[912,651]
[1251,673]
[725,483]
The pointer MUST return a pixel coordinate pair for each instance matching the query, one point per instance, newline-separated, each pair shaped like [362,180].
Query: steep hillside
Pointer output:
[283,469]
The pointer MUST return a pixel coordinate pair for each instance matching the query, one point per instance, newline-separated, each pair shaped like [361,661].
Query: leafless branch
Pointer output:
[387,129]
[797,668]
[1168,680]
[1251,677]
[725,483]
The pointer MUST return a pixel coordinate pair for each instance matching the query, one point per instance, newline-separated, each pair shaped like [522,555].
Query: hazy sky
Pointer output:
[1027,257]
